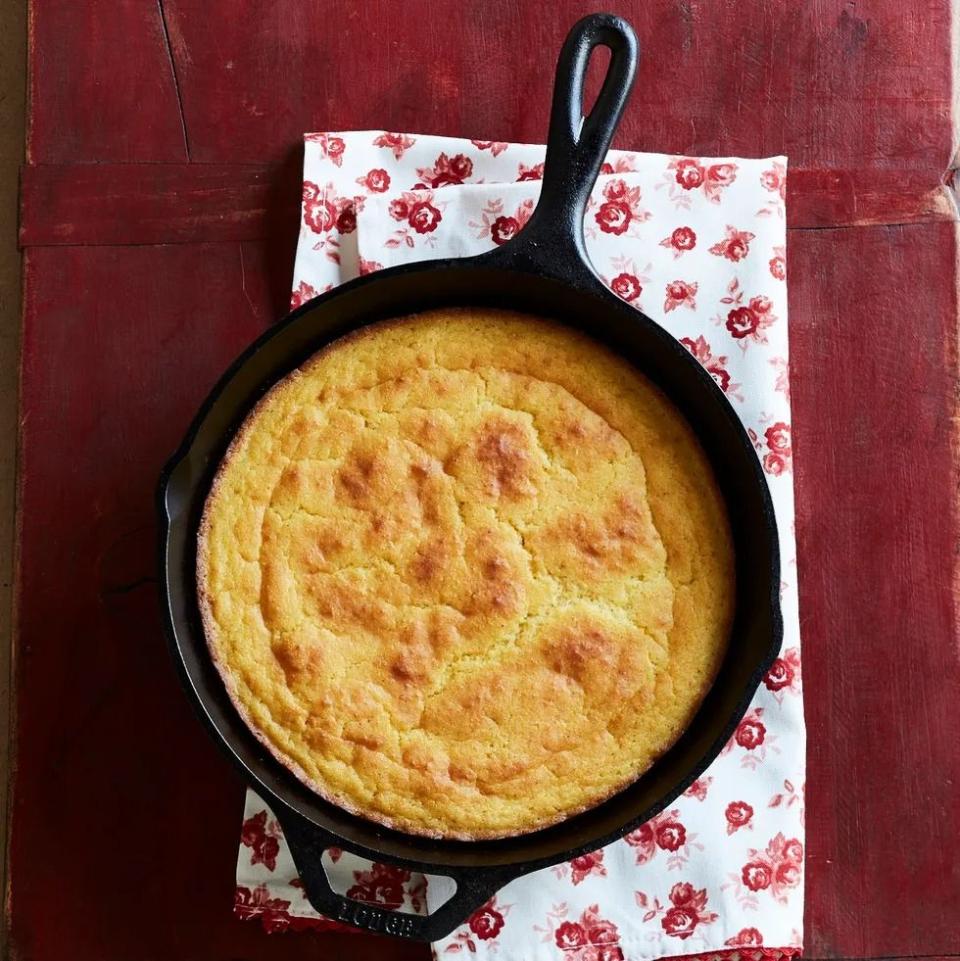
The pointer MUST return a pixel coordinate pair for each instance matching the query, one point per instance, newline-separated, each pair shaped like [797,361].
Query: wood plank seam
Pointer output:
[173,73]
[136,204]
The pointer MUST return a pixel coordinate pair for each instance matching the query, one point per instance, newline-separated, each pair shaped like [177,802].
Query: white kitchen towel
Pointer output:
[699,245]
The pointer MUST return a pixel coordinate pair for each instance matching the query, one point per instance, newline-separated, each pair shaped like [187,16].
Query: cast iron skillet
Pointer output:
[544,271]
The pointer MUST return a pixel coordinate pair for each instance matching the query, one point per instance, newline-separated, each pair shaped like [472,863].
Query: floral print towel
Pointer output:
[699,245]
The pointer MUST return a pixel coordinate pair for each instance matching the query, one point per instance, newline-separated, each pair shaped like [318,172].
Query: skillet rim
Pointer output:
[518,865]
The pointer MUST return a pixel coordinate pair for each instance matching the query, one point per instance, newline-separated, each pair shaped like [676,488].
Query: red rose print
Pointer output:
[784,676]
[716,366]
[368,267]
[735,246]
[750,320]
[250,904]
[774,464]
[615,190]
[746,938]
[503,228]
[622,165]
[788,874]
[330,146]
[680,240]
[319,214]
[603,952]
[644,840]
[671,836]
[424,217]
[757,875]
[721,376]
[775,180]
[664,832]
[778,868]
[397,142]
[738,815]
[742,321]
[461,166]
[496,147]
[793,850]
[262,838]
[620,207]
[592,938]
[500,225]
[530,173]
[689,174]
[682,893]
[779,676]
[643,834]
[777,460]
[626,286]
[689,908]
[587,864]
[770,180]
[399,209]
[486,922]
[699,787]
[347,218]
[603,932]
[679,922]
[614,217]
[778,438]
[778,267]
[750,733]
[376,181]
[722,174]
[446,170]
[680,294]
[335,147]
[381,885]
[301,295]
[570,935]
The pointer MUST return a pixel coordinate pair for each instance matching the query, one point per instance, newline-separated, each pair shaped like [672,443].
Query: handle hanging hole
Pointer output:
[362,881]
[596,72]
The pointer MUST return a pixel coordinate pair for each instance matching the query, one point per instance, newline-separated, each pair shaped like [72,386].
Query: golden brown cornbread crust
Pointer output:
[466,574]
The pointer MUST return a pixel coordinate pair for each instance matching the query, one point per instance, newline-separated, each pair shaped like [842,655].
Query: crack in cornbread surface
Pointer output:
[466,574]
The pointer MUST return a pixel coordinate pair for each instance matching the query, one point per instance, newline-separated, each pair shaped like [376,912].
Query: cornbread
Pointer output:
[466,574]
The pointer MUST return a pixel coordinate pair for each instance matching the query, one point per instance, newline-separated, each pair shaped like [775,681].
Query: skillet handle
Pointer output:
[552,241]
[307,843]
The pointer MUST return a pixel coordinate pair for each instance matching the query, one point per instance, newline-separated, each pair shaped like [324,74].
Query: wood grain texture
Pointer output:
[103,84]
[202,203]
[120,344]
[831,83]
[13,45]
[874,375]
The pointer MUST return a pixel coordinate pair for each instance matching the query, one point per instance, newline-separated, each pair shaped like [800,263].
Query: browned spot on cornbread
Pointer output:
[466,574]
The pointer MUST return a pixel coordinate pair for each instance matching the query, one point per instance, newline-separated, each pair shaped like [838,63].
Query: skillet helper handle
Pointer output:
[552,240]
[307,844]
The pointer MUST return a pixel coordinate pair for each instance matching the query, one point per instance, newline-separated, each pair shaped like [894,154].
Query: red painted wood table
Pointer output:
[159,217]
